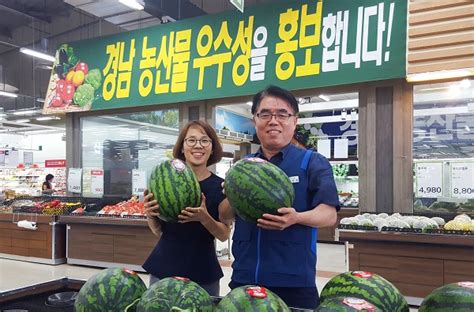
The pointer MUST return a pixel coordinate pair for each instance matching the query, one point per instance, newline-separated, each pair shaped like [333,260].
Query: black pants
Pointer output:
[295,297]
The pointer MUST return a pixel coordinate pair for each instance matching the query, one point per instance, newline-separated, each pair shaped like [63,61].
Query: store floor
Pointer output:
[16,274]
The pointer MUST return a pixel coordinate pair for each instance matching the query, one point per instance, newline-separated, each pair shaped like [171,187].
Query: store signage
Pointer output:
[74,180]
[429,179]
[138,182]
[55,163]
[97,182]
[239,4]
[462,180]
[296,44]
[28,158]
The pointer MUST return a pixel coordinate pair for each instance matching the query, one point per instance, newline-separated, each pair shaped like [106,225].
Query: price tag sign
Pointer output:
[74,180]
[429,179]
[138,182]
[462,180]
[97,182]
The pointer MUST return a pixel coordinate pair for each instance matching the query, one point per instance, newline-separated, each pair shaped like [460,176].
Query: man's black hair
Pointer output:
[276,92]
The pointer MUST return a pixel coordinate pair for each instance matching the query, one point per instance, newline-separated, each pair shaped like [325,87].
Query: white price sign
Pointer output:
[138,182]
[429,179]
[74,180]
[462,180]
[97,182]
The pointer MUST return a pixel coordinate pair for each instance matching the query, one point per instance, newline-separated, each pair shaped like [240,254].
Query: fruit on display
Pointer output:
[382,221]
[174,187]
[461,222]
[131,207]
[346,304]
[175,294]
[255,186]
[251,298]
[368,286]
[455,297]
[113,289]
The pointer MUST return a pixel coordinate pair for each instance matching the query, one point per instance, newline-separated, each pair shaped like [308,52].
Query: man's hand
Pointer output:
[197,214]
[288,216]
[151,205]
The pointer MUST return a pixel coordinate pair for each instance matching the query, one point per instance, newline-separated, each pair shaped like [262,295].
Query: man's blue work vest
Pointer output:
[279,258]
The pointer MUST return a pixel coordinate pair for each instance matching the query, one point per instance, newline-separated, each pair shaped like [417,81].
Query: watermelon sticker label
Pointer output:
[131,272]
[256,159]
[178,165]
[257,292]
[179,278]
[362,274]
[358,304]
[466,284]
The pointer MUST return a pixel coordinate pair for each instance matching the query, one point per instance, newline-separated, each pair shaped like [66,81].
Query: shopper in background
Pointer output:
[279,252]
[47,187]
[187,248]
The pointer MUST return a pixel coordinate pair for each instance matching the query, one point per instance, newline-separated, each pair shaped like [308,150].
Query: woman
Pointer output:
[187,248]
[47,188]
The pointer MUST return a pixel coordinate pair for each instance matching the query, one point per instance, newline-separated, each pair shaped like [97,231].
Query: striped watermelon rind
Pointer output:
[113,289]
[174,187]
[175,294]
[369,286]
[454,297]
[239,300]
[255,186]
[343,304]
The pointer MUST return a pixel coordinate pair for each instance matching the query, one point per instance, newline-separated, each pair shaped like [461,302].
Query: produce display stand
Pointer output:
[45,244]
[415,263]
[35,297]
[107,241]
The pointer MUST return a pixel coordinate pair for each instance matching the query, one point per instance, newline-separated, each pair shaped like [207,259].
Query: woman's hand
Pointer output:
[151,205]
[199,214]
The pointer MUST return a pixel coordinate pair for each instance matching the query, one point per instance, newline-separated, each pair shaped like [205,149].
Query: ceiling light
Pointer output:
[132,4]
[41,100]
[324,97]
[9,94]
[44,118]
[26,112]
[2,114]
[38,54]
[438,75]
[21,120]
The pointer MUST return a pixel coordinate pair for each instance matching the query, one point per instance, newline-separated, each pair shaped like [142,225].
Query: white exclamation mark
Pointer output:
[389,34]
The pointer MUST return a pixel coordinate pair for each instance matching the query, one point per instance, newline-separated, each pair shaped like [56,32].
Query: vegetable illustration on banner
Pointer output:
[303,44]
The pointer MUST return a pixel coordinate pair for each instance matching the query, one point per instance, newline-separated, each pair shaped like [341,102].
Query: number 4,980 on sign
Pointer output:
[429,179]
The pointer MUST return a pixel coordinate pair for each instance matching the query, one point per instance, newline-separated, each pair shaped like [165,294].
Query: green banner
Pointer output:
[293,44]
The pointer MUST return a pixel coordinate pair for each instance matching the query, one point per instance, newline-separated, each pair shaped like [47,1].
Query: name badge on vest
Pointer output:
[295,179]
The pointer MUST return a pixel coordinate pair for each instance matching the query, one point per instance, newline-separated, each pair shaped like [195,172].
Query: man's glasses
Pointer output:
[266,116]
[191,142]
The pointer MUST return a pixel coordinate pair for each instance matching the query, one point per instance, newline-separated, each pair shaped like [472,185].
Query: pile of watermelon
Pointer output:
[174,187]
[112,289]
[251,298]
[255,186]
[175,294]
[455,297]
[361,291]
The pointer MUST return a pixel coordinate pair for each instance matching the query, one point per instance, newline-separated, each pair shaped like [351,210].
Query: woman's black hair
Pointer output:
[49,176]
[276,92]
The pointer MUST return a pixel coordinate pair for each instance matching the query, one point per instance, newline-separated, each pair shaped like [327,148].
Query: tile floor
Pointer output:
[16,274]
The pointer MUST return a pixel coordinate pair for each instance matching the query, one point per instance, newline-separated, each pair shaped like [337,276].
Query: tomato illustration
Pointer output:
[60,86]
[57,101]
[82,67]
[68,92]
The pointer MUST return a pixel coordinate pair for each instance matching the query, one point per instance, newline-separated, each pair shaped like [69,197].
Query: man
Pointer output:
[279,252]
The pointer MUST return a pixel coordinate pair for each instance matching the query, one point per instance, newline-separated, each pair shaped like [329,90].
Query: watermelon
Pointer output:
[112,289]
[455,297]
[368,286]
[174,187]
[346,304]
[255,186]
[251,298]
[175,294]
